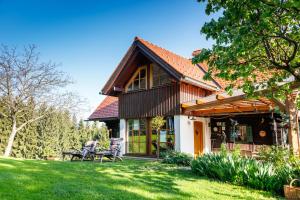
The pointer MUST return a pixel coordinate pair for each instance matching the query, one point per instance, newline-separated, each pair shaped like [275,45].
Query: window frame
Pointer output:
[136,136]
[134,77]
[245,141]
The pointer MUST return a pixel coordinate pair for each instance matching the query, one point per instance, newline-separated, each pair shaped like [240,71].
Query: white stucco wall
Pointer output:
[184,134]
[123,134]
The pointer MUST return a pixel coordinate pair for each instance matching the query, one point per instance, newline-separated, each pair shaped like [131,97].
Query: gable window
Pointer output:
[160,77]
[138,81]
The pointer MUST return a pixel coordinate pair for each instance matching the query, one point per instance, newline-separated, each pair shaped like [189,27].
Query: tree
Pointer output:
[157,123]
[252,38]
[23,79]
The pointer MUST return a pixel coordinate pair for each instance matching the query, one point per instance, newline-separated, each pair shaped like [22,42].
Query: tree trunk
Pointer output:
[12,136]
[293,135]
[158,143]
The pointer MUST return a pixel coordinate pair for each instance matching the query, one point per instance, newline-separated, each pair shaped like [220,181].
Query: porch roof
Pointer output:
[222,104]
[107,110]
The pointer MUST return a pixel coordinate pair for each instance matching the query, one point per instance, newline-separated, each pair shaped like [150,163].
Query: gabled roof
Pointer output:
[178,66]
[108,109]
[182,65]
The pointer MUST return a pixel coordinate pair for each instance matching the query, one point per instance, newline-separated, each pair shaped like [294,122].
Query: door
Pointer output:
[198,138]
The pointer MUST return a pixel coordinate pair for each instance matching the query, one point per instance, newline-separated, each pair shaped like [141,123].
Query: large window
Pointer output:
[137,138]
[243,134]
[160,77]
[139,80]
[167,136]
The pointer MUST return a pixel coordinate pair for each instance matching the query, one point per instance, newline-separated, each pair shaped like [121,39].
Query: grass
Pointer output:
[130,179]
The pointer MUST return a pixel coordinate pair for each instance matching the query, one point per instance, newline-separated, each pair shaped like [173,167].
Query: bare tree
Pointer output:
[26,83]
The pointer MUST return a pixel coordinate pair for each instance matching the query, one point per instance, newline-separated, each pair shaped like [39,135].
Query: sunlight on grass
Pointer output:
[130,179]
[6,165]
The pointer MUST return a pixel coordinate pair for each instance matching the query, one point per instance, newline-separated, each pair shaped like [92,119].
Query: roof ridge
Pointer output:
[143,40]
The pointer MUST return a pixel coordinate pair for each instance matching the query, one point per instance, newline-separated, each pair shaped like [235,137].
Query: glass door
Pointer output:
[137,136]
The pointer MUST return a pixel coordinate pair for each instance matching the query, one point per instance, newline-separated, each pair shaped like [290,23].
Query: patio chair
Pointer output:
[87,152]
[114,151]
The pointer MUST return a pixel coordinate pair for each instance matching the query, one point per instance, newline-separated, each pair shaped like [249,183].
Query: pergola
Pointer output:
[224,104]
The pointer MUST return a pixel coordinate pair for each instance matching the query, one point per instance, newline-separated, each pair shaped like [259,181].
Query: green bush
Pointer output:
[243,171]
[178,158]
[275,154]
[281,158]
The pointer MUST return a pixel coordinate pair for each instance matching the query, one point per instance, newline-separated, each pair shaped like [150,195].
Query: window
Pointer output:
[167,136]
[160,77]
[137,138]
[139,80]
[244,134]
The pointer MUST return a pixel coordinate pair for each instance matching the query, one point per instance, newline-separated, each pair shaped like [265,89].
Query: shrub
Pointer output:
[282,158]
[178,158]
[242,171]
[275,154]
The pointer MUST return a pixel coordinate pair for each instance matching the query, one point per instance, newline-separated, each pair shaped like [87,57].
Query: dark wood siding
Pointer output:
[163,101]
[190,92]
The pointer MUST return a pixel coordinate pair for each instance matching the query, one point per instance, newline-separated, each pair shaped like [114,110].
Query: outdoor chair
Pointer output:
[114,151]
[87,152]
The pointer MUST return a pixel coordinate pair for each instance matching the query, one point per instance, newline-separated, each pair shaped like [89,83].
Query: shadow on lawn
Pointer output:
[62,180]
[130,179]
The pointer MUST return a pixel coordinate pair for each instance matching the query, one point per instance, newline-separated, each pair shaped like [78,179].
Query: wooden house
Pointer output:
[152,81]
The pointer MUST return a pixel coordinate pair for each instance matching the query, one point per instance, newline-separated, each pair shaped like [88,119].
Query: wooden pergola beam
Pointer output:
[220,97]
[200,101]
[230,110]
[215,103]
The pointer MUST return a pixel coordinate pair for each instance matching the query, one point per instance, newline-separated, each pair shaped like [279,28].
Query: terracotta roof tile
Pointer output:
[108,108]
[182,65]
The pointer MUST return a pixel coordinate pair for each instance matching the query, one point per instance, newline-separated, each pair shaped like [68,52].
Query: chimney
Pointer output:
[196,52]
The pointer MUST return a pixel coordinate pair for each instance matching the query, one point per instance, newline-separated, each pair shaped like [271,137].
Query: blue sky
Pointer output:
[89,38]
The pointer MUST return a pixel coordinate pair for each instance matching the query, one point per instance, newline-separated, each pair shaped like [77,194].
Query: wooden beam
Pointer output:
[215,103]
[200,101]
[233,114]
[230,110]
[265,101]
[220,97]
[184,105]
[118,89]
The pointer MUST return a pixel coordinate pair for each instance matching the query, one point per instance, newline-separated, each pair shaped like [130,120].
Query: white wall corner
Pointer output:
[184,134]
[123,135]
[177,132]
[207,136]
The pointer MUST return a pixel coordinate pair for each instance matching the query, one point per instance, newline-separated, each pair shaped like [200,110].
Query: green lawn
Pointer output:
[130,179]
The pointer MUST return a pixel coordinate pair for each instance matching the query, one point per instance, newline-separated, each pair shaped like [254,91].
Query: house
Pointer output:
[152,81]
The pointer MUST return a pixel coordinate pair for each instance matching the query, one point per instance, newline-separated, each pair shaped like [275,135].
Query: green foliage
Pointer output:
[178,158]
[253,37]
[281,158]
[243,171]
[277,155]
[51,135]
[157,122]
[223,150]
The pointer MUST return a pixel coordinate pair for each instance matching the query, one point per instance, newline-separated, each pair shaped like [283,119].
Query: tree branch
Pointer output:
[29,121]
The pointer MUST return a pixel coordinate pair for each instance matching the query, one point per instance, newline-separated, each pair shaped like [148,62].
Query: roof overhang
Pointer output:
[199,84]
[103,119]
